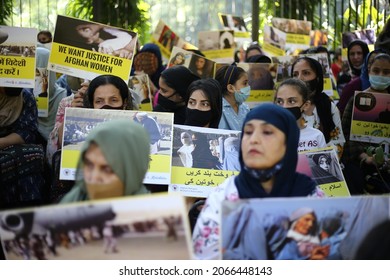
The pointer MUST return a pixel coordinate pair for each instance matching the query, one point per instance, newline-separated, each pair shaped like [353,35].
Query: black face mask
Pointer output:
[112,108]
[11,91]
[296,111]
[166,103]
[197,118]
[312,85]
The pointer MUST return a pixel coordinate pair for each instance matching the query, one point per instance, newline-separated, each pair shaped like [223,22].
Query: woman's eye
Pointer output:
[107,170]
[206,104]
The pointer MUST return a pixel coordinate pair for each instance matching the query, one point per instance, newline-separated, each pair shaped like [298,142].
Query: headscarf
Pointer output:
[125,145]
[364,71]
[364,46]
[259,58]
[321,99]
[10,108]
[287,182]
[154,49]
[117,82]
[179,78]
[312,236]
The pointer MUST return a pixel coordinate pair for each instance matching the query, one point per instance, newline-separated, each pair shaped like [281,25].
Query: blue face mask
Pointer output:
[242,94]
[379,82]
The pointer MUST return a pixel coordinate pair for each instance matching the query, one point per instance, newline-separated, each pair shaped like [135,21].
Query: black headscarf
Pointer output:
[365,49]
[321,99]
[287,181]
[179,78]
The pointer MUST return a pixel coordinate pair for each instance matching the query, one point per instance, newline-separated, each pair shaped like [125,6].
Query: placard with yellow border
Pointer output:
[370,117]
[323,166]
[166,39]
[17,56]
[261,78]
[87,49]
[217,45]
[78,122]
[202,158]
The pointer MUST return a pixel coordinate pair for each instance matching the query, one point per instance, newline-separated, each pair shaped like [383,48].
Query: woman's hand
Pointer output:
[78,100]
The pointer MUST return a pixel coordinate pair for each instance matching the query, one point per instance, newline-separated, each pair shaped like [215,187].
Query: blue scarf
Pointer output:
[287,181]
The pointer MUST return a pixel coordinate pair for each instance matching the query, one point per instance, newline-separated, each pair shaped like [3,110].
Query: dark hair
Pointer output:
[228,75]
[259,58]
[212,90]
[320,99]
[253,46]
[365,50]
[179,78]
[381,56]
[109,80]
[175,56]
[299,85]
[47,33]
[316,67]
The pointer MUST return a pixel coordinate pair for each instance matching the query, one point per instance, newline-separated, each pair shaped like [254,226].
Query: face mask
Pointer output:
[379,82]
[99,191]
[197,118]
[296,111]
[111,108]
[166,103]
[242,94]
[312,85]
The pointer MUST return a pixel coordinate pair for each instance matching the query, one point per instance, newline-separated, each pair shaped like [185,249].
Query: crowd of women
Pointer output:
[115,156]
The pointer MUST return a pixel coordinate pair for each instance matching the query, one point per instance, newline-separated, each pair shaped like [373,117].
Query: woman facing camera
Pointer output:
[103,92]
[268,159]
[113,162]
[204,105]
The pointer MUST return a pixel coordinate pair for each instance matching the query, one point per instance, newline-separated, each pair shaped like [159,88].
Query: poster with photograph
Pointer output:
[88,49]
[166,39]
[366,35]
[233,22]
[78,122]
[140,86]
[17,56]
[217,45]
[287,35]
[285,66]
[274,41]
[143,227]
[261,78]
[370,117]
[199,65]
[202,158]
[242,36]
[322,165]
[319,38]
[305,228]
[179,56]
